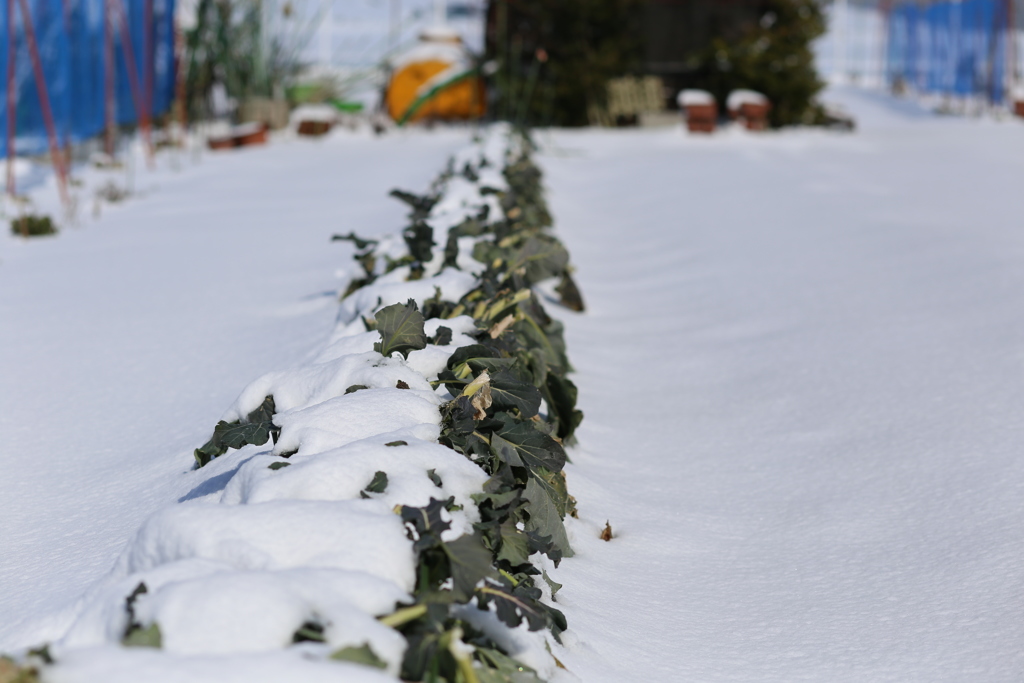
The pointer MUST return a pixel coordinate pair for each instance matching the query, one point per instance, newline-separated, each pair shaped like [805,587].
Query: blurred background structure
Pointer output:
[81,70]
[962,54]
[72,68]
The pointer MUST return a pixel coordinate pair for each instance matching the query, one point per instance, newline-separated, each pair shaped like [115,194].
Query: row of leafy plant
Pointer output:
[512,411]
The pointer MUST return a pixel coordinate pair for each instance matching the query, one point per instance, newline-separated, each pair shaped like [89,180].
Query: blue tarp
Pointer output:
[70,36]
[954,48]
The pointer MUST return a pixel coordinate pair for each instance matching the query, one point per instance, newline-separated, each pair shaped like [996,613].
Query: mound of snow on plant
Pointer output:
[301,553]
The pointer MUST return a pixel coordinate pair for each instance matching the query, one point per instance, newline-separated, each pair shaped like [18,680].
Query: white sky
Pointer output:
[359,33]
[355,34]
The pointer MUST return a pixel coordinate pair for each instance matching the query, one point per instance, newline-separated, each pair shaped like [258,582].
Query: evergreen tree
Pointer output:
[772,56]
[556,57]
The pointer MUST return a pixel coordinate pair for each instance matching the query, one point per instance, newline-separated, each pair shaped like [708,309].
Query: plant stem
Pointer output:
[403,616]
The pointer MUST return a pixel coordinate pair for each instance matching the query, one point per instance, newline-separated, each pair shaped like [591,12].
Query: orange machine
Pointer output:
[435,79]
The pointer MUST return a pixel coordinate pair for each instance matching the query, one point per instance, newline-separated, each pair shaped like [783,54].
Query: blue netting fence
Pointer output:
[71,40]
[950,48]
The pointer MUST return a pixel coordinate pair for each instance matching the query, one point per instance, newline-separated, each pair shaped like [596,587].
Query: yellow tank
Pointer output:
[438,58]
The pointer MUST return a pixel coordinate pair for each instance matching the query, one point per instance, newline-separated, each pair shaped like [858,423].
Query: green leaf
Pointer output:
[472,359]
[544,517]
[531,335]
[309,632]
[486,251]
[238,435]
[396,443]
[534,448]
[401,329]
[419,238]
[354,388]
[496,501]
[351,237]
[129,602]
[505,451]
[359,655]
[434,478]
[378,484]
[554,484]
[498,667]
[469,361]
[543,258]
[553,585]
[135,634]
[470,561]
[471,227]
[41,652]
[278,465]
[570,294]
[212,448]
[458,416]
[509,392]
[544,545]
[515,545]
[513,605]
[258,429]
[426,524]
[148,636]
[443,336]
[429,656]
[421,205]
[561,395]
[264,413]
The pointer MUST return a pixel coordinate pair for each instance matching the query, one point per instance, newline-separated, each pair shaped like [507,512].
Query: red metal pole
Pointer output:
[12,97]
[44,101]
[133,78]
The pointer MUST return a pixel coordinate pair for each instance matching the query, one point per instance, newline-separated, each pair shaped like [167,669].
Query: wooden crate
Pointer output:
[314,128]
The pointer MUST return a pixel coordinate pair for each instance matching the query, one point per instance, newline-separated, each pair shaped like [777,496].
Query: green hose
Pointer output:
[433,92]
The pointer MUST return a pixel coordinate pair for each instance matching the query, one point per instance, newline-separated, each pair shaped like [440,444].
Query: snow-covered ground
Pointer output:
[123,341]
[803,375]
[802,368]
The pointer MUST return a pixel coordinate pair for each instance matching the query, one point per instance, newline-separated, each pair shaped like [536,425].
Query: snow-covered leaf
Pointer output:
[359,655]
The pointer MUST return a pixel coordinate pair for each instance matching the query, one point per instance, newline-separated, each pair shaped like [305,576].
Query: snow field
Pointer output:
[124,335]
[292,536]
[804,411]
[801,366]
